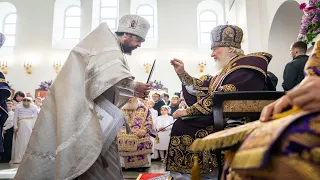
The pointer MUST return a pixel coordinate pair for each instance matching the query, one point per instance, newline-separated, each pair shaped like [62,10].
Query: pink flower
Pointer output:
[310,10]
[302,6]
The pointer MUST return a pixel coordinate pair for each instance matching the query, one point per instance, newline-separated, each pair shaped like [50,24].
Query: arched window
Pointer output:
[9,29]
[147,12]
[210,13]
[109,13]
[207,21]
[72,21]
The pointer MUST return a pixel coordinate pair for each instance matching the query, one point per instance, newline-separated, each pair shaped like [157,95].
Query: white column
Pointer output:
[254,26]
[124,7]
[86,17]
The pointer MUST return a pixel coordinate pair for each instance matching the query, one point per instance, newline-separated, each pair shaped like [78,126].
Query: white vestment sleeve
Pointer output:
[126,87]
[9,122]
[35,116]
[15,118]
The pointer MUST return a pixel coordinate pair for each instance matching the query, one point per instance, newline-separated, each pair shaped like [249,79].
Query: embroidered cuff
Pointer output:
[192,111]
[186,78]
[228,88]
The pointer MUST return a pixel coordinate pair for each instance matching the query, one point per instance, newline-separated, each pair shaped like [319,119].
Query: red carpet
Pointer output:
[147,176]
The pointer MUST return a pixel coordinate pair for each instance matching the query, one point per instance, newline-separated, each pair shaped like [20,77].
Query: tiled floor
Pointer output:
[8,171]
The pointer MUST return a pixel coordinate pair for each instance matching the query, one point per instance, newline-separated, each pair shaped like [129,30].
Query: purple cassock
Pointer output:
[4,95]
[134,149]
[242,73]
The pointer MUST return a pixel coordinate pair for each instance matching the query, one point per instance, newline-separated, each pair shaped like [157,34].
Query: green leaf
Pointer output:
[315,27]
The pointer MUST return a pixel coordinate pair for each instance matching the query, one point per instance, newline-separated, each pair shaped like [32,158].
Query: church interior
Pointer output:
[40,34]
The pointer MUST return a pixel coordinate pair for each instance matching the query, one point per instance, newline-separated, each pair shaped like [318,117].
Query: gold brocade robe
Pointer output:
[132,148]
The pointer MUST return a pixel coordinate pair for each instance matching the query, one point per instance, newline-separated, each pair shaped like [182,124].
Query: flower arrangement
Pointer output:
[45,85]
[310,23]
[155,85]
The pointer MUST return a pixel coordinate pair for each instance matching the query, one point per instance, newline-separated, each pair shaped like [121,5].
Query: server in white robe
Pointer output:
[75,134]
[163,126]
[154,115]
[25,116]
[7,134]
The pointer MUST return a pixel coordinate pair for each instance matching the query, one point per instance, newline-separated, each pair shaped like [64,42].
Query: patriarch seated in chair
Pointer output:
[239,72]
[287,146]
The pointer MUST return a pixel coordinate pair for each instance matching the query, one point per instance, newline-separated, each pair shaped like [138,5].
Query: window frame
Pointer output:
[200,21]
[4,26]
[150,15]
[65,21]
[114,19]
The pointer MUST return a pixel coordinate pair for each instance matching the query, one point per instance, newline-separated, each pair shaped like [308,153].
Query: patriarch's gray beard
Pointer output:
[219,65]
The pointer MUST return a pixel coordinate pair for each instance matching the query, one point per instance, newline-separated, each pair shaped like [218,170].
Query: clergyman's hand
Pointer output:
[274,108]
[306,96]
[142,90]
[179,113]
[178,65]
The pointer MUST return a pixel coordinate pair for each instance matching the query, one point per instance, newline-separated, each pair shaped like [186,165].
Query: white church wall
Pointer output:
[8,9]
[268,30]
[255,17]
[33,41]
[236,13]
[279,29]
[283,33]
[269,9]
[177,38]
[58,40]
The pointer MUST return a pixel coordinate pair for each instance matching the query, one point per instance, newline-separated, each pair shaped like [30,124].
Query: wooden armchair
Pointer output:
[240,104]
[235,105]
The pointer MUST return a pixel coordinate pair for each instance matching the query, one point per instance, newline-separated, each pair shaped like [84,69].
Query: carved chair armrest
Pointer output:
[240,104]
[187,118]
